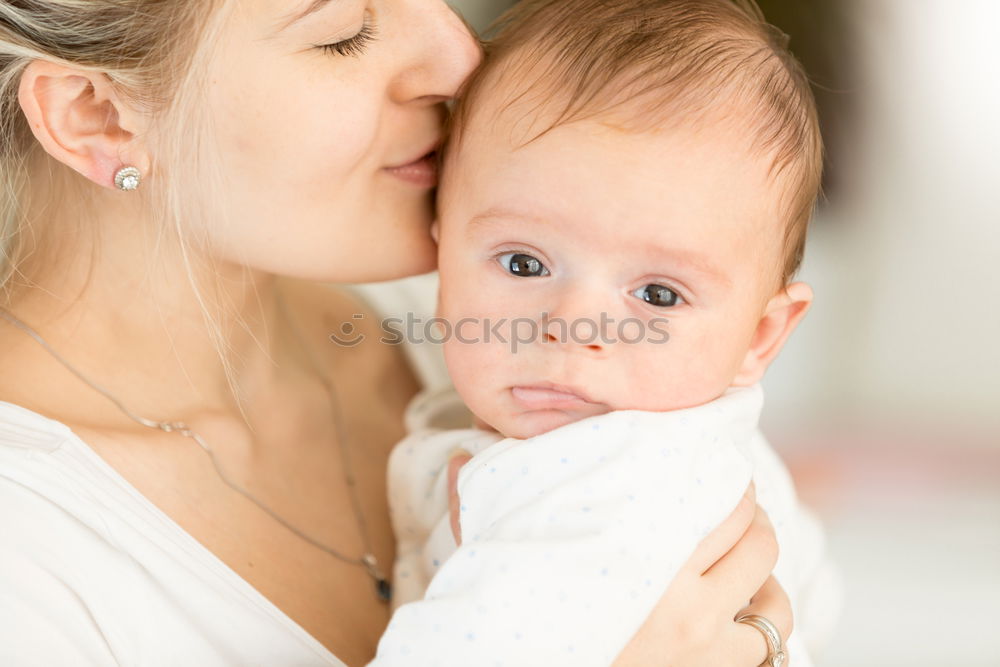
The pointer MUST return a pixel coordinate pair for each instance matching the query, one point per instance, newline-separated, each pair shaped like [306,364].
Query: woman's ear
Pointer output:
[781,315]
[80,120]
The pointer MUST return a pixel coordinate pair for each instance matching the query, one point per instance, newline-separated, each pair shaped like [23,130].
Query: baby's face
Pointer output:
[668,244]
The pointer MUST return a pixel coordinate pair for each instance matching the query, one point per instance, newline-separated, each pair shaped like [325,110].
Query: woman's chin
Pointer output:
[412,264]
[379,264]
[401,255]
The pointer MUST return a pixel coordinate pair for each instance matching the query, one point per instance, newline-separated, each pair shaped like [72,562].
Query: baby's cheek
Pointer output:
[473,372]
[457,358]
[667,377]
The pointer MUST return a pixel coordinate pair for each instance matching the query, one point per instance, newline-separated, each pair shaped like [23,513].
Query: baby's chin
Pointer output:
[537,422]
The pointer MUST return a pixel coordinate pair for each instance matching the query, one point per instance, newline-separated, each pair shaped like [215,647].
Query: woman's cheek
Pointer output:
[341,141]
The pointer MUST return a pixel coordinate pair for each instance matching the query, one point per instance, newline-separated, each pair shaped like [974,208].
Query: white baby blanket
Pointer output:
[571,537]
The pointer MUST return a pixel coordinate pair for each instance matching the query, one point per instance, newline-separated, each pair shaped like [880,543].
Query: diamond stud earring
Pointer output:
[127,178]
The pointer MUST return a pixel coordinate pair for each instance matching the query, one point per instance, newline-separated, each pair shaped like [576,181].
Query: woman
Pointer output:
[178,176]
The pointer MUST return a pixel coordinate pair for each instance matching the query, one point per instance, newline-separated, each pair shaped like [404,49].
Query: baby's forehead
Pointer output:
[611,186]
[518,100]
[506,119]
[507,123]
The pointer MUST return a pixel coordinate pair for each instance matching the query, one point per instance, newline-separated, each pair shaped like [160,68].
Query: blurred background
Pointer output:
[886,400]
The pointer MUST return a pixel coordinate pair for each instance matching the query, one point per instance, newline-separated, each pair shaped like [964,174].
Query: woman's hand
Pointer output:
[693,624]
[454,464]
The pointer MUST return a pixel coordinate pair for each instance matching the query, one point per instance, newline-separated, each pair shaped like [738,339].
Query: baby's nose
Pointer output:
[581,316]
[587,333]
[592,346]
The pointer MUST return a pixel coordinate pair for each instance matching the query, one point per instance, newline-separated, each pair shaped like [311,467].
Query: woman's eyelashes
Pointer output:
[522,265]
[353,46]
[659,296]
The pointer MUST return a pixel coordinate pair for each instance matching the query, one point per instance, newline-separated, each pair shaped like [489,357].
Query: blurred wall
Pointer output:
[907,320]
[926,209]
[479,13]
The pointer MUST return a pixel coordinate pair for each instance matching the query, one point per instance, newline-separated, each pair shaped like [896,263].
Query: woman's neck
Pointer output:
[126,315]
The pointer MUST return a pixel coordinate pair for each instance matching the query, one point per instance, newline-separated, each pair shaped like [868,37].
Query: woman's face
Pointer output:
[325,113]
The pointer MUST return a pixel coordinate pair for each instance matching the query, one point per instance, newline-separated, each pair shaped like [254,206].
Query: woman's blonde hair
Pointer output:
[153,52]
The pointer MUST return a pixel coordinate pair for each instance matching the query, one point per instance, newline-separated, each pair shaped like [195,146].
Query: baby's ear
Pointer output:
[435,231]
[783,313]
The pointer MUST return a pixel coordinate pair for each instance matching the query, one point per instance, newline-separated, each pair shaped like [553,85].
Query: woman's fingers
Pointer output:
[694,623]
[772,603]
[717,543]
[455,463]
[748,564]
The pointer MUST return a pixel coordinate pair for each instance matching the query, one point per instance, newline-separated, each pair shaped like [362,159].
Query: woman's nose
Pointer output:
[446,52]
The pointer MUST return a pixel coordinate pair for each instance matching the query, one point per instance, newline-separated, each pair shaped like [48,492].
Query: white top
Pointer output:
[93,573]
[571,537]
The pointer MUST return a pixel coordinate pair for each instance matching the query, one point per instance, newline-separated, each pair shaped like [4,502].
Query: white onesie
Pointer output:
[571,537]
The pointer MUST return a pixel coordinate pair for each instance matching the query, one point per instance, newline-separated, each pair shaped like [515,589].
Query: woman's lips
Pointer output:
[548,397]
[421,172]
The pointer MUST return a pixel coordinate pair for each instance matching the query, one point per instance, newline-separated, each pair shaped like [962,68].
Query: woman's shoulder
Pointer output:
[81,550]
[45,554]
[49,487]
[52,535]
[77,569]
[24,429]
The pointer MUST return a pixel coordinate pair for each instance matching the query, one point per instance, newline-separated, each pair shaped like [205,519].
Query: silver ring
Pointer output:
[776,655]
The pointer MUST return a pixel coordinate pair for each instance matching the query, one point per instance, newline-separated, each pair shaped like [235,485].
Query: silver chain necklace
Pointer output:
[383,588]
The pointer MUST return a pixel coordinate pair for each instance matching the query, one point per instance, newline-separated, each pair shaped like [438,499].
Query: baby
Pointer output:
[624,202]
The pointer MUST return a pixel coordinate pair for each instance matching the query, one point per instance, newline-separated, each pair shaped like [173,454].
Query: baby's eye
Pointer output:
[522,265]
[658,295]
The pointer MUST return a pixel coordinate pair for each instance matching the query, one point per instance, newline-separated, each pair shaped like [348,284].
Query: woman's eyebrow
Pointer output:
[313,7]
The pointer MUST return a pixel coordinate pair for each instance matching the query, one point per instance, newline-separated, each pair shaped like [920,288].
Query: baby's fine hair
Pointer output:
[653,63]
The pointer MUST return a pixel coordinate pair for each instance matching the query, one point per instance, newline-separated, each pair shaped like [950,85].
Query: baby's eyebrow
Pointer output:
[699,263]
[497,214]
[673,257]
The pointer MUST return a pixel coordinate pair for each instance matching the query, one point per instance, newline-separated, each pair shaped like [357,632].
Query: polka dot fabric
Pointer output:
[569,538]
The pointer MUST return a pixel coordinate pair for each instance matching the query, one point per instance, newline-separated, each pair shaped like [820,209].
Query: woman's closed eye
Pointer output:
[659,296]
[522,265]
[353,46]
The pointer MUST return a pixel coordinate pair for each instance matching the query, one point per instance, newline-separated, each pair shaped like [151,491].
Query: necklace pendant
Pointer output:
[382,586]
[384,590]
